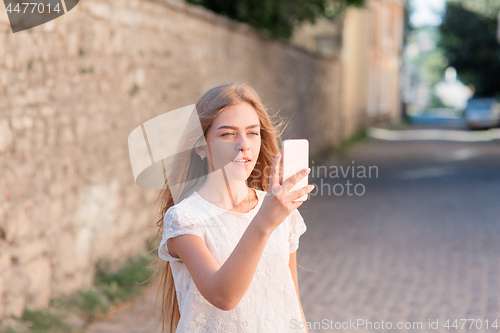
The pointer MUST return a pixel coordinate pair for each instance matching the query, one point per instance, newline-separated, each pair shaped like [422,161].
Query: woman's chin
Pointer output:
[238,173]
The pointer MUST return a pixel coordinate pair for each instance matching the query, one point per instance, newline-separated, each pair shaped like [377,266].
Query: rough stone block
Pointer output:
[68,283]
[98,10]
[72,44]
[15,295]
[17,226]
[13,305]
[39,291]
[17,280]
[28,251]
[64,254]
[5,261]
[9,61]
[56,209]
[2,307]
[6,136]
[21,123]
[48,111]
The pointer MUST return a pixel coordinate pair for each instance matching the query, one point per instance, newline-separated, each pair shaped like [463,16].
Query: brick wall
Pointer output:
[70,93]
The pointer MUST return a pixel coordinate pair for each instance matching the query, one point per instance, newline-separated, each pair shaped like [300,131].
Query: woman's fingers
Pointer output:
[287,198]
[299,193]
[275,172]
[295,205]
[290,182]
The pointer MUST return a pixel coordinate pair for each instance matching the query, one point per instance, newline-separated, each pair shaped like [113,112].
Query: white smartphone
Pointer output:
[296,158]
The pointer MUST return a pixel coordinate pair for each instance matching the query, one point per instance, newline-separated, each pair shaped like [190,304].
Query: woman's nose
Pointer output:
[242,144]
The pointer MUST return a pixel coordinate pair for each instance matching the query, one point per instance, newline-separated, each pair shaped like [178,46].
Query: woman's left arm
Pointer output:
[293,269]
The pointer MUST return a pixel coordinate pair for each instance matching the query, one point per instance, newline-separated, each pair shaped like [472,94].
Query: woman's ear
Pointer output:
[199,148]
[201,152]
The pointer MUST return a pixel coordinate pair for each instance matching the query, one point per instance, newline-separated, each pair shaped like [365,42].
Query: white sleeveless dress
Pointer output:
[270,304]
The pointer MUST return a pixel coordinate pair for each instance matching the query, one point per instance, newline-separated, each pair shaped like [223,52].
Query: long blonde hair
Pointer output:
[208,108]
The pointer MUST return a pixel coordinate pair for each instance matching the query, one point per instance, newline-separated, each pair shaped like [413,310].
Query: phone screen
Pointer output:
[296,158]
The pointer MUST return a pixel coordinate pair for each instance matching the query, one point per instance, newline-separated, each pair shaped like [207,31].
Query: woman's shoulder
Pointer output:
[184,207]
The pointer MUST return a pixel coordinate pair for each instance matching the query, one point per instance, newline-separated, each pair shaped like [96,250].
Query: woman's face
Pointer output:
[234,140]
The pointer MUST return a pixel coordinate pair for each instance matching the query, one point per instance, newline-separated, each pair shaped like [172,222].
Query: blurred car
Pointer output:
[482,113]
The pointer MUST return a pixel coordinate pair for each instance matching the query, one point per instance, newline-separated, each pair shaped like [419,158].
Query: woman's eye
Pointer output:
[254,133]
[227,134]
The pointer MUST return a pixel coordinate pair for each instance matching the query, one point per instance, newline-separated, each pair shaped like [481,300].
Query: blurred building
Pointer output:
[368,42]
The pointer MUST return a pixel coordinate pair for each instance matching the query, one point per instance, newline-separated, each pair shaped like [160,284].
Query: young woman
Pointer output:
[230,239]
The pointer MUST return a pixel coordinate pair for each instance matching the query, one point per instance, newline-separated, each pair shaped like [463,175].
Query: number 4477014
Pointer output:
[471,324]
[37,7]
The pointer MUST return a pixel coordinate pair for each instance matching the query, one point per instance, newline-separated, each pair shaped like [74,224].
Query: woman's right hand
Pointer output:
[279,200]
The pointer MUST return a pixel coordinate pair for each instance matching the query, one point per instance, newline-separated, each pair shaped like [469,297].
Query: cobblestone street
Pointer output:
[420,244]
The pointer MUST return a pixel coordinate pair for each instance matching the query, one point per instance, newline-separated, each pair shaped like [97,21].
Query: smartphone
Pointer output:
[296,158]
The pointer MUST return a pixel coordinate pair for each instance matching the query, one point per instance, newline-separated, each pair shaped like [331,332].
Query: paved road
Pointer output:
[421,242]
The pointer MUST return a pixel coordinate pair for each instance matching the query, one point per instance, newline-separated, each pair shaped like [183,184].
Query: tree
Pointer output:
[277,18]
[485,8]
[469,40]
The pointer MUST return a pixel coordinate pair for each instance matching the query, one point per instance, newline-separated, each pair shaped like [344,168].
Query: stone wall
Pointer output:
[70,93]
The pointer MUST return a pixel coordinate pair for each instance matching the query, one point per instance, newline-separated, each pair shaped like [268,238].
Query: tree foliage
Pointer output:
[277,18]
[485,8]
[469,39]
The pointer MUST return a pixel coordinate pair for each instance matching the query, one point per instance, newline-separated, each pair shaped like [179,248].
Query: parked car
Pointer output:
[482,113]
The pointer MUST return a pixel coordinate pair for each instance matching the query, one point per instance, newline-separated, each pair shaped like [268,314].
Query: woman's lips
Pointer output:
[242,161]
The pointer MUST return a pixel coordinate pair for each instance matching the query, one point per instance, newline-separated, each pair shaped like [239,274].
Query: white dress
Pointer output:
[270,304]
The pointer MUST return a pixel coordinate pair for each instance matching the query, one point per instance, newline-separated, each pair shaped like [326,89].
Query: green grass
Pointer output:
[45,322]
[87,304]
[93,302]
[110,288]
[7,329]
[353,140]
[126,283]
[341,149]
